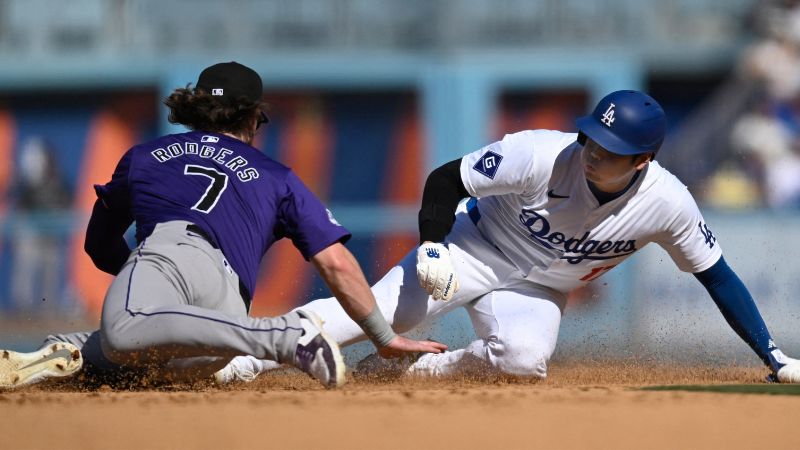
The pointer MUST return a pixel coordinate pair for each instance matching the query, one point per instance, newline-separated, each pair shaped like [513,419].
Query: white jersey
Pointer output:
[536,207]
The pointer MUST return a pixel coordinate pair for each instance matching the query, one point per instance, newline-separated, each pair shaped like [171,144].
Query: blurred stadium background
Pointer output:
[368,95]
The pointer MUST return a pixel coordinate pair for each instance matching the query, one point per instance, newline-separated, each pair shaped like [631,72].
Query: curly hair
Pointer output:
[198,110]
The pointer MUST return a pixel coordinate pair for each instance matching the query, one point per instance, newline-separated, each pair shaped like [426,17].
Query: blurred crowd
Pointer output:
[763,167]
[39,200]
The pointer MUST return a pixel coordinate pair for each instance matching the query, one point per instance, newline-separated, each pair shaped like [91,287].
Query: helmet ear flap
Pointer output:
[581,138]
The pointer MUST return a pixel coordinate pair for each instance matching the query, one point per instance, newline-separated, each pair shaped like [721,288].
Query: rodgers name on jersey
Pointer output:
[236,164]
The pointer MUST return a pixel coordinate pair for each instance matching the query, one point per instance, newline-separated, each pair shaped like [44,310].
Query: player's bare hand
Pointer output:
[435,271]
[401,345]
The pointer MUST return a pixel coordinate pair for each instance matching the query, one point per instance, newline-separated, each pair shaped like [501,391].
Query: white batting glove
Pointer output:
[435,271]
[789,372]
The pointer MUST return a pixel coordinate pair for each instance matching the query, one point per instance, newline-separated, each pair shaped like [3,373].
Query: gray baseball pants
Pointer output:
[176,306]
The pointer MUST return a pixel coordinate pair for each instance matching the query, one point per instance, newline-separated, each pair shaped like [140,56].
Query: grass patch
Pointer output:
[764,389]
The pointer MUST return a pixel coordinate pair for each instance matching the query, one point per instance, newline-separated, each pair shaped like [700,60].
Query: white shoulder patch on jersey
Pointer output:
[209,139]
[331,218]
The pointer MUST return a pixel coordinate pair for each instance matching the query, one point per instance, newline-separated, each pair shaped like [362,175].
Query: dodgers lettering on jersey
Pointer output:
[241,198]
[536,207]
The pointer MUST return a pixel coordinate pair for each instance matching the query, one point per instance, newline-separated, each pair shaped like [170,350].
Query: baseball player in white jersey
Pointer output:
[549,212]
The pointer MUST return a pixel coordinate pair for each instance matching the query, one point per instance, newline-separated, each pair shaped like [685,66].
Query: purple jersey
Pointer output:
[242,199]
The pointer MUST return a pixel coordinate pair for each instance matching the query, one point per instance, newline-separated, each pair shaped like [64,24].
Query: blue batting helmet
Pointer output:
[626,123]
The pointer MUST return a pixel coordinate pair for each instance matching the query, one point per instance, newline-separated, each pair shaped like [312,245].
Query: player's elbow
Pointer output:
[97,255]
[334,261]
[339,266]
[103,258]
[92,248]
[105,243]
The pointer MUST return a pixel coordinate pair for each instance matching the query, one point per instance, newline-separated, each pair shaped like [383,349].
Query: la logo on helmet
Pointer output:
[608,116]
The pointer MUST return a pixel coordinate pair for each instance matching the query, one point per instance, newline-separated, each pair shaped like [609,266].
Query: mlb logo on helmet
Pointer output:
[230,81]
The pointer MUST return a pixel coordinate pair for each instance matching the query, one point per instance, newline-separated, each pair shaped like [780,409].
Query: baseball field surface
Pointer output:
[597,405]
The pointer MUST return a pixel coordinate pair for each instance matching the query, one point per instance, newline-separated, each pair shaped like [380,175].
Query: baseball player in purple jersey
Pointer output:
[548,212]
[207,206]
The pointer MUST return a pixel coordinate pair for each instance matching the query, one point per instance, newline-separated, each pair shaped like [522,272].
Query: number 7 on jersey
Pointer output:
[219,181]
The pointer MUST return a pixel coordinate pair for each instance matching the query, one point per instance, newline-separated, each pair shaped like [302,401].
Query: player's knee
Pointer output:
[520,360]
[113,348]
[116,347]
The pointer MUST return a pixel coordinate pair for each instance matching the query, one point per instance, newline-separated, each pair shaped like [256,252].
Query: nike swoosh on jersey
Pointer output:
[552,194]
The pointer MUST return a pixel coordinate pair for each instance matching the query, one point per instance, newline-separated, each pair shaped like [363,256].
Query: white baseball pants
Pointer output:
[516,320]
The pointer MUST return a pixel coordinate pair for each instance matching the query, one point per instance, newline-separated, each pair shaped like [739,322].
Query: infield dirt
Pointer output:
[592,406]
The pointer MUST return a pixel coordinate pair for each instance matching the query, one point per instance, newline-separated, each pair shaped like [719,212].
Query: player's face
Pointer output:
[608,171]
